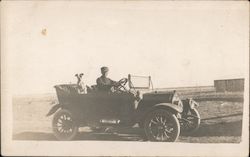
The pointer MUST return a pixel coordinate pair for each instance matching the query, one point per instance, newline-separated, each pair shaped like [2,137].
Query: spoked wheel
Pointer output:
[162,126]
[64,126]
[191,121]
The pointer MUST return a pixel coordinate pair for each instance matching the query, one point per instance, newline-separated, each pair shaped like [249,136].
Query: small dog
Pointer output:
[82,89]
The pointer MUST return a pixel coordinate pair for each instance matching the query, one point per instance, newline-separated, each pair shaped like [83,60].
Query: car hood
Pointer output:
[165,96]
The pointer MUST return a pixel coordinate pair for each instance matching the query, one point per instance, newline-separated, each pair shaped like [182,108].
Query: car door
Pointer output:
[120,106]
[107,106]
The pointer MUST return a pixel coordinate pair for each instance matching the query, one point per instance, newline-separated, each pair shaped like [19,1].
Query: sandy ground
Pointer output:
[221,122]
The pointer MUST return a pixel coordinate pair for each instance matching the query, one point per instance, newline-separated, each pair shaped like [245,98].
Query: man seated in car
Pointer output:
[104,83]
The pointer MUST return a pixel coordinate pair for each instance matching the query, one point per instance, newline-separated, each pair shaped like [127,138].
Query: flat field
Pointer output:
[221,122]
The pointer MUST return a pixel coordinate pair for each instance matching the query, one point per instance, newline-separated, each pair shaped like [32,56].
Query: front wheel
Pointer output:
[64,125]
[162,126]
[190,122]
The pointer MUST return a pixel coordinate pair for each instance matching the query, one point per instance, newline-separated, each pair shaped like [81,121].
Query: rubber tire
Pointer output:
[171,116]
[197,123]
[56,132]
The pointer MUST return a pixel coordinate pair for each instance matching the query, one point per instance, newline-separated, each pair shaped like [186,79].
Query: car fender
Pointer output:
[168,106]
[174,107]
[53,109]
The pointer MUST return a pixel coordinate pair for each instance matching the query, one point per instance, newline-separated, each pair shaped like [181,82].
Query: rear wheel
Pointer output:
[162,126]
[64,125]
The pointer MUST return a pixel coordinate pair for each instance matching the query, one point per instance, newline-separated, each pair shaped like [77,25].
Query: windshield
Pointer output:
[140,82]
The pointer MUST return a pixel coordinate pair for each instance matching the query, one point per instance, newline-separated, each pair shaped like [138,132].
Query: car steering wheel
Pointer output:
[121,84]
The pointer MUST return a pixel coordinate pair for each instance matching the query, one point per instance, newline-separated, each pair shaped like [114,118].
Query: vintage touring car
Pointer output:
[162,115]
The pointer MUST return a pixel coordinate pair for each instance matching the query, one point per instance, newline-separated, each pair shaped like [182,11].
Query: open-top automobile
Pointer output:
[162,115]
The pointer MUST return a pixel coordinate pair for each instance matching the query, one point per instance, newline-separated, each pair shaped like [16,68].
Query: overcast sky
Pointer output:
[178,44]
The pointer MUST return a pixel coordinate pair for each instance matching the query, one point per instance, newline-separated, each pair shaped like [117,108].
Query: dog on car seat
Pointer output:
[82,89]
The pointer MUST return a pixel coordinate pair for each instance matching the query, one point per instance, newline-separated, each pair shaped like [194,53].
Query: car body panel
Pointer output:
[93,107]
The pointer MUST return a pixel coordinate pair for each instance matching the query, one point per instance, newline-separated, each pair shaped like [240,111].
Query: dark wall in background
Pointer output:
[229,85]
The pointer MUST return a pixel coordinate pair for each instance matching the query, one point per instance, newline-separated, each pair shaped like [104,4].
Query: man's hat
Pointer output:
[104,69]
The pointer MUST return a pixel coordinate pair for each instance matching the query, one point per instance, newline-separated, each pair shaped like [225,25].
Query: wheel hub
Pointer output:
[66,125]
